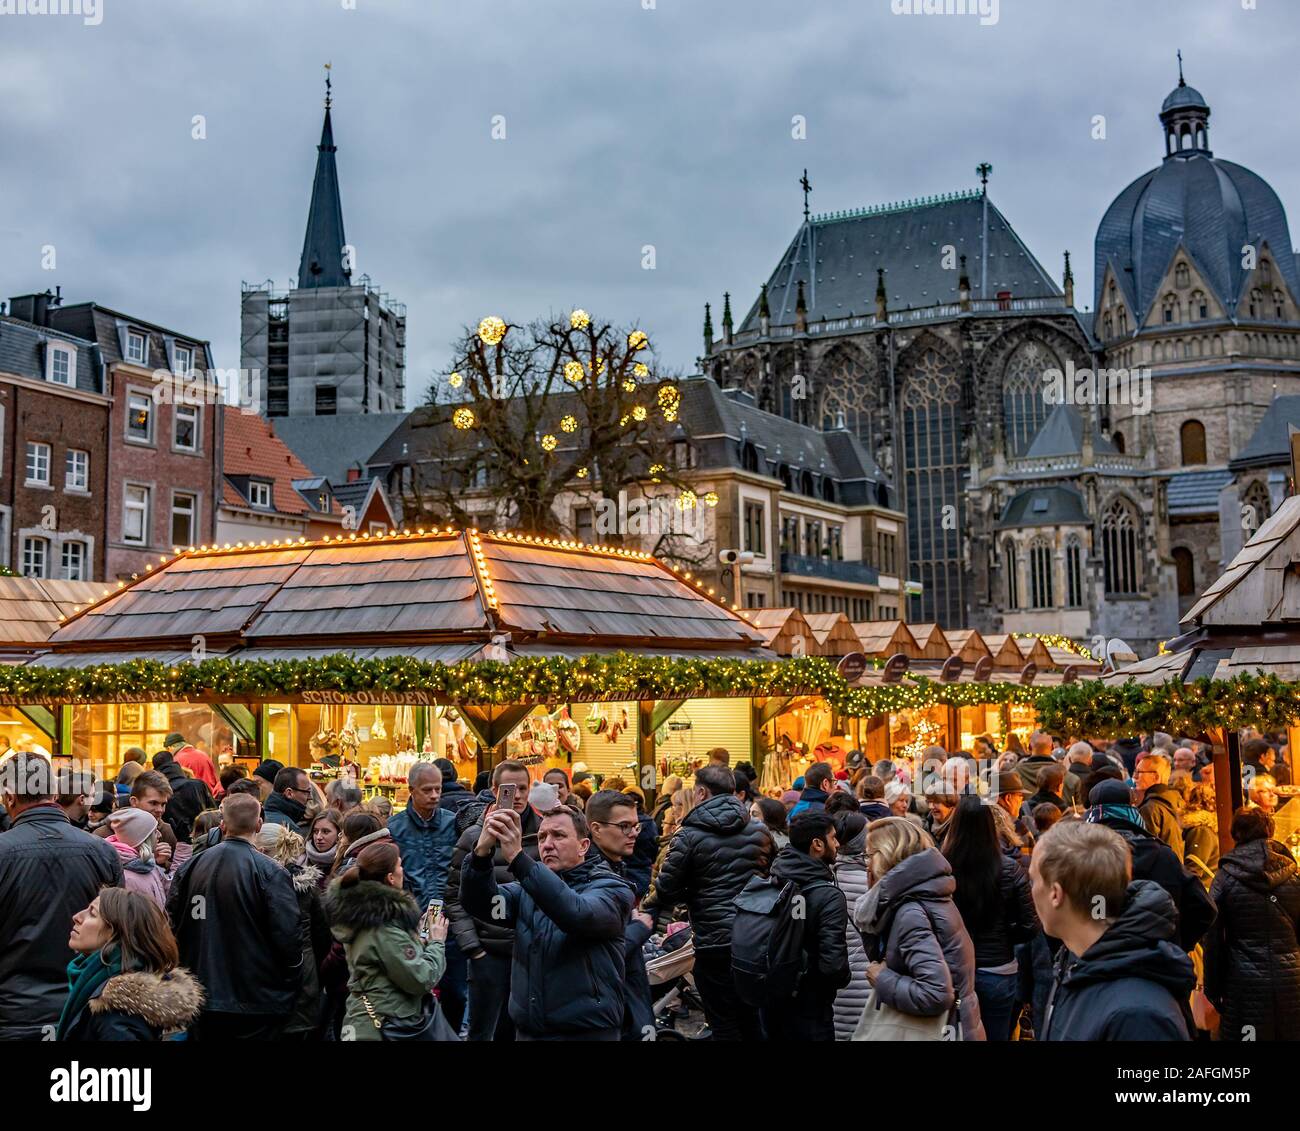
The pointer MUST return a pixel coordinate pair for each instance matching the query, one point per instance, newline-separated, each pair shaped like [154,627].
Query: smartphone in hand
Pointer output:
[506,795]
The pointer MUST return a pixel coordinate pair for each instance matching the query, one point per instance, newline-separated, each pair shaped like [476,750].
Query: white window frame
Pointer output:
[128,506]
[193,498]
[144,395]
[30,542]
[197,413]
[179,351]
[83,573]
[34,447]
[70,352]
[82,488]
[255,489]
[133,336]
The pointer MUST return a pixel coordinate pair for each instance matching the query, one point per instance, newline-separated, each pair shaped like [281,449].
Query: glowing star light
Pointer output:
[463,418]
[711,499]
[639,412]
[582,473]
[629,386]
[637,340]
[568,424]
[579,319]
[491,330]
[641,369]
[573,372]
[455,380]
[686,501]
[549,442]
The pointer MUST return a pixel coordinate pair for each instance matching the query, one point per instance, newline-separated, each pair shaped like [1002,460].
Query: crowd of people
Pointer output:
[1066,892]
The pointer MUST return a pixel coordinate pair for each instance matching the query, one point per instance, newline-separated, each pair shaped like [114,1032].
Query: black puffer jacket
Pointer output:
[1132,984]
[712,856]
[1252,956]
[49,872]
[483,936]
[189,798]
[825,946]
[643,856]
[998,932]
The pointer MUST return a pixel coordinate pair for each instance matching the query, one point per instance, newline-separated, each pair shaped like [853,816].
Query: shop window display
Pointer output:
[17,732]
[101,733]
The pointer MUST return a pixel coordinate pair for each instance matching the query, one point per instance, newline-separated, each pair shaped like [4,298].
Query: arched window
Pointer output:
[749,457]
[806,485]
[1123,320]
[1119,543]
[1185,568]
[1256,507]
[1011,565]
[1118,440]
[1279,301]
[1107,327]
[828,489]
[1257,303]
[787,476]
[936,466]
[1024,408]
[1182,277]
[1191,439]
[1197,306]
[1073,573]
[1170,305]
[1040,574]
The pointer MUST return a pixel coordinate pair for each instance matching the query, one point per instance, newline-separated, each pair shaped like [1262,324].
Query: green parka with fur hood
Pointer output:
[378,926]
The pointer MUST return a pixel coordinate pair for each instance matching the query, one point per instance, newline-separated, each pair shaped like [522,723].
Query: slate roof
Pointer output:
[322,263]
[1270,443]
[22,353]
[408,588]
[108,328]
[837,256]
[1061,434]
[1196,492]
[333,445]
[1045,506]
[1184,96]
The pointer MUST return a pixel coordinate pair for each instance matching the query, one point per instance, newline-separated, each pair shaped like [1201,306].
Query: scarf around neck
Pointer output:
[87,973]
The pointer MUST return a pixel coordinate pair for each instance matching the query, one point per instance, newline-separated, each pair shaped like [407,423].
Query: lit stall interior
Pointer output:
[102,733]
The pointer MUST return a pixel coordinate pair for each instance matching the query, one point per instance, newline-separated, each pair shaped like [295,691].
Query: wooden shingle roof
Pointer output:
[781,628]
[834,633]
[409,588]
[30,608]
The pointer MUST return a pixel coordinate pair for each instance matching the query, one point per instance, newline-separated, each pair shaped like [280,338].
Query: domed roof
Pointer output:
[1182,96]
[1210,206]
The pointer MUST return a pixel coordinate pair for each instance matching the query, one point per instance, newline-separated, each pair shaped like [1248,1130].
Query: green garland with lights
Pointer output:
[619,676]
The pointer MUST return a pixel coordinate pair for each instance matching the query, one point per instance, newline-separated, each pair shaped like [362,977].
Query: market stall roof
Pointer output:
[886,637]
[1064,658]
[1031,648]
[30,610]
[781,628]
[966,643]
[408,589]
[834,634]
[931,641]
[1005,651]
[1247,622]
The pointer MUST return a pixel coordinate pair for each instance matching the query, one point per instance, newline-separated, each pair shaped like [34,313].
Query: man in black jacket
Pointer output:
[49,872]
[454,794]
[569,915]
[287,804]
[189,798]
[614,820]
[809,1015]
[712,857]
[488,943]
[1119,976]
[235,917]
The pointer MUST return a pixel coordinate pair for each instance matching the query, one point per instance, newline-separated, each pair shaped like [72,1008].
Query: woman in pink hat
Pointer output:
[134,834]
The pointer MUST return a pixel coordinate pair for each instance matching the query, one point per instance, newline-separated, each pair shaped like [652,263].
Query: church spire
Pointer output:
[708,330]
[322,263]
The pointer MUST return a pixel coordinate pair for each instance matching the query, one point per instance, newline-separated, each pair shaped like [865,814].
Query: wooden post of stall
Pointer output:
[645,752]
[876,744]
[1227,784]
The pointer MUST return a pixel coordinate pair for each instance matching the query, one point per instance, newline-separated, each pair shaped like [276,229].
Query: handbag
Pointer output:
[430,1024]
[882,1022]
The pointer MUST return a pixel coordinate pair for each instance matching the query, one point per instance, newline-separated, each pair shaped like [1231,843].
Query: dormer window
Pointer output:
[182,359]
[137,347]
[61,364]
[259,494]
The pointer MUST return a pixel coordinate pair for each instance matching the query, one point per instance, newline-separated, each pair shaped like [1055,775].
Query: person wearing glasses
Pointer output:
[287,803]
[615,823]
[1160,804]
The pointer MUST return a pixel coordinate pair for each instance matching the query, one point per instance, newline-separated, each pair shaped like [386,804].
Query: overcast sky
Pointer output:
[626,125]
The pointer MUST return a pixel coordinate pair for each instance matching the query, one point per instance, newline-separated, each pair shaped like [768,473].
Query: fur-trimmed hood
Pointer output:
[163,1001]
[304,877]
[368,904]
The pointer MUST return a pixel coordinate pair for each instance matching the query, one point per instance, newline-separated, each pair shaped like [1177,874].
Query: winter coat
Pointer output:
[1162,814]
[189,798]
[809,799]
[138,1006]
[1201,838]
[568,966]
[643,855]
[454,795]
[193,759]
[137,875]
[712,856]
[1132,984]
[826,955]
[426,848]
[638,1009]
[910,920]
[874,810]
[486,936]
[1029,769]
[1154,860]
[1072,787]
[389,965]
[850,872]
[1004,927]
[281,810]
[235,916]
[1252,956]
[314,934]
[49,871]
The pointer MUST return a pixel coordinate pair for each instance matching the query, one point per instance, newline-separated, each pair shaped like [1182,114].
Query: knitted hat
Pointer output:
[132,826]
[1110,792]
[173,739]
[267,770]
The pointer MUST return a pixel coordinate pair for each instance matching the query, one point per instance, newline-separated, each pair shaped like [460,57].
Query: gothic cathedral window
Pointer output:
[1024,408]
[1040,574]
[1119,540]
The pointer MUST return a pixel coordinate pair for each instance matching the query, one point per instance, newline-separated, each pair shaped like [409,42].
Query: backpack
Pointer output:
[767,934]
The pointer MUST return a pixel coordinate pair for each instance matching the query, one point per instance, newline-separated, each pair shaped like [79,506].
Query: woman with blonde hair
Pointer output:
[922,959]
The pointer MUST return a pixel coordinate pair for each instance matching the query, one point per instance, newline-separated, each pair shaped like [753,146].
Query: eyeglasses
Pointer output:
[627,828]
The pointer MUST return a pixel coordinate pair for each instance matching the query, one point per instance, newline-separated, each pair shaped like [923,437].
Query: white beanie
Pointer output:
[132,826]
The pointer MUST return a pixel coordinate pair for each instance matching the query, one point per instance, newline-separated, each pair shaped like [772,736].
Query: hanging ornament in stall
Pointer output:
[377,730]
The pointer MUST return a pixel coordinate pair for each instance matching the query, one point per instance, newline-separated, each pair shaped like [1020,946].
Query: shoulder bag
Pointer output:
[430,1024]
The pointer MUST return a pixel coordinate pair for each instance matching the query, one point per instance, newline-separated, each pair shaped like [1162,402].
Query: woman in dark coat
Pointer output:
[996,907]
[909,920]
[1252,955]
[124,983]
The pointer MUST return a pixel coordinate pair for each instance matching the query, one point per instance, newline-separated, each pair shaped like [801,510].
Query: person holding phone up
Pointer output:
[569,915]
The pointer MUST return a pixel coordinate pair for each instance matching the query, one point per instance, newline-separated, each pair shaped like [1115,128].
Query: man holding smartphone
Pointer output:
[569,915]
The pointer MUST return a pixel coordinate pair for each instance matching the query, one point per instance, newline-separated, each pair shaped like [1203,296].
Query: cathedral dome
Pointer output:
[1211,206]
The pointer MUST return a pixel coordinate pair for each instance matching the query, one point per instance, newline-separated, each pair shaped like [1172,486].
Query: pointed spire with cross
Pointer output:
[984,169]
[806,185]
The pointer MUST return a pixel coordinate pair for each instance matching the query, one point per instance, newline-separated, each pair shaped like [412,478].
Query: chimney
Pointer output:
[33,308]
[354,473]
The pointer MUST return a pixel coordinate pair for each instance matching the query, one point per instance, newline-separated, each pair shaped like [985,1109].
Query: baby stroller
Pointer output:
[669,961]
